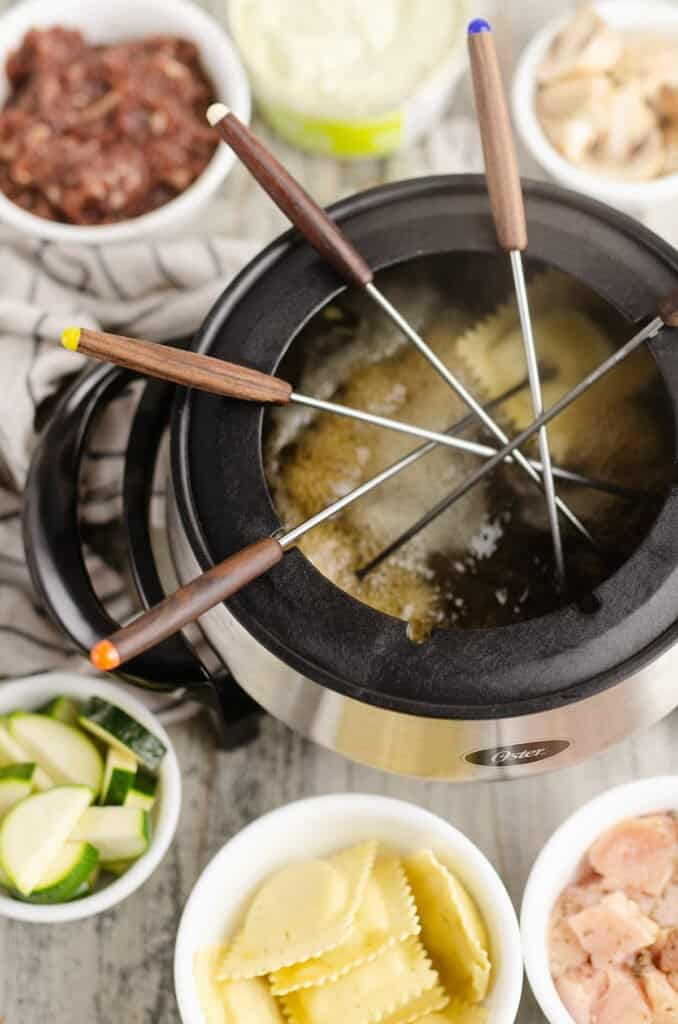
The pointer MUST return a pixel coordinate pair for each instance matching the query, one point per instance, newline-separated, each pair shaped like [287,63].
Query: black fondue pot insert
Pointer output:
[294,610]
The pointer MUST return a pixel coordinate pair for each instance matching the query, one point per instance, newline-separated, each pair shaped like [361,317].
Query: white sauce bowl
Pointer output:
[323,825]
[350,135]
[558,864]
[119,21]
[627,16]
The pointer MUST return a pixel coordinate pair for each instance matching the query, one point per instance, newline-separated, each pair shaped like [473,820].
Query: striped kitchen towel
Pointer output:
[151,290]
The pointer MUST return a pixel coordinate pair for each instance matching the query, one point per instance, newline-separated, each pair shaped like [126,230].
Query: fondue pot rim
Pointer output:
[282,610]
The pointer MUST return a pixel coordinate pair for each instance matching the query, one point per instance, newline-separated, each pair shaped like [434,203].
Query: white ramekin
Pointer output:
[32,692]
[627,15]
[558,863]
[322,825]
[120,20]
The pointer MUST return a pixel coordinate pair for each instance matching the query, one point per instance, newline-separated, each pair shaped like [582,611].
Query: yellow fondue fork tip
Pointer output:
[70,338]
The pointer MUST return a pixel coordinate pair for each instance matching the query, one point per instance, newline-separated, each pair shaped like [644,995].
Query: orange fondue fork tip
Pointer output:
[104,656]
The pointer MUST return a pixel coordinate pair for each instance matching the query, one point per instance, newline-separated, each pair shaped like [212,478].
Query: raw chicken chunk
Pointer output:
[623,1001]
[640,853]
[668,958]
[565,950]
[581,989]
[582,894]
[666,907]
[613,930]
[661,996]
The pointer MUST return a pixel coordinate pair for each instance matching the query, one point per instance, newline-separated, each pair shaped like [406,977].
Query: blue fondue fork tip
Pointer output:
[478,25]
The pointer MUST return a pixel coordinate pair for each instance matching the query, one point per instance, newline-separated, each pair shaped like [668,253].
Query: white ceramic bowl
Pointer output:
[32,692]
[627,15]
[558,863]
[323,825]
[120,20]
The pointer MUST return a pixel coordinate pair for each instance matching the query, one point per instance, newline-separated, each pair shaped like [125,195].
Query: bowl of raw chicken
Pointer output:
[599,918]
[595,100]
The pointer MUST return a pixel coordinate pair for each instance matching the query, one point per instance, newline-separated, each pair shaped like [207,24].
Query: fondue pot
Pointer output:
[466,704]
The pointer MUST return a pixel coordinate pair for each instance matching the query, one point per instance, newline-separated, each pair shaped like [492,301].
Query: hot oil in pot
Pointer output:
[487,560]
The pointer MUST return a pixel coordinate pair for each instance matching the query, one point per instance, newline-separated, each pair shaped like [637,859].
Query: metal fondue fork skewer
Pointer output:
[668,316]
[233,380]
[228,577]
[508,208]
[332,244]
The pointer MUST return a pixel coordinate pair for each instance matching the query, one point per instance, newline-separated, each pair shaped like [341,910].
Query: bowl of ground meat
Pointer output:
[600,912]
[103,136]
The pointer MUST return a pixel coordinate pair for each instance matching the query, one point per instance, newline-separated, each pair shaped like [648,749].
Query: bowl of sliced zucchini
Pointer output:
[90,793]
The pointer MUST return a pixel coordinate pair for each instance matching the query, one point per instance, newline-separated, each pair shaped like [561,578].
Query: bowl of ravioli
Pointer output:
[349,909]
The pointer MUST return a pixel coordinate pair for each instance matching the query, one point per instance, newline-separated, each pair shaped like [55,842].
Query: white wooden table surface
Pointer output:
[117,968]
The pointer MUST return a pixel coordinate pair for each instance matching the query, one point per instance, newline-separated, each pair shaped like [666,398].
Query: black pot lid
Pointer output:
[294,610]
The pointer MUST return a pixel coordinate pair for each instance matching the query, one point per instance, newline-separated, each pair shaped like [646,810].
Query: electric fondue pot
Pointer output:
[467,703]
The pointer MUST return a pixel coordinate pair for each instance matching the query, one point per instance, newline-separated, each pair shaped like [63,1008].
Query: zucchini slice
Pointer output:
[16,782]
[119,833]
[64,709]
[115,727]
[63,751]
[119,775]
[117,867]
[88,887]
[34,831]
[68,875]
[143,791]
[11,752]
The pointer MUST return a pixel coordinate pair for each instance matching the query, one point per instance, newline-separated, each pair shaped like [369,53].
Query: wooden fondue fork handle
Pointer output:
[193,369]
[314,224]
[186,604]
[501,163]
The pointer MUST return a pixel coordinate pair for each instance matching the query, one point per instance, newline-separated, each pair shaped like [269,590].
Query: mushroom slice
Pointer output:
[585,45]
[645,163]
[650,62]
[670,149]
[630,122]
[645,54]
[572,113]
[666,102]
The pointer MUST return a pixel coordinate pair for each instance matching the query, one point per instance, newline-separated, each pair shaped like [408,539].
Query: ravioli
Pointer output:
[232,1002]
[351,939]
[457,1013]
[205,963]
[301,912]
[569,344]
[451,927]
[370,993]
[386,915]
[421,1007]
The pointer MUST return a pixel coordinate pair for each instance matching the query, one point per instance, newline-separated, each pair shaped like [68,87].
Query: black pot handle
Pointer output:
[53,543]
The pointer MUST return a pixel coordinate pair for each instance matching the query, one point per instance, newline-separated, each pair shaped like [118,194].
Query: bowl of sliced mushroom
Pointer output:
[595,99]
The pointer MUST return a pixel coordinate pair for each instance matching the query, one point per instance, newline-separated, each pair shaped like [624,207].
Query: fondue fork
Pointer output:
[226,578]
[508,208]
[331,243]
[667,317]
[232,380]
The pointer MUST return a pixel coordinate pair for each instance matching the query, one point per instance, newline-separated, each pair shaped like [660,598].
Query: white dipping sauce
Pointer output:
[344,58]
